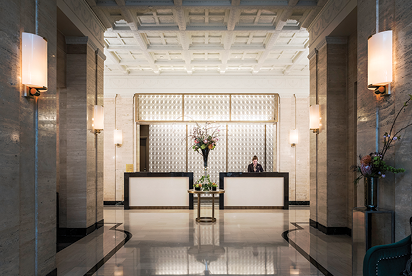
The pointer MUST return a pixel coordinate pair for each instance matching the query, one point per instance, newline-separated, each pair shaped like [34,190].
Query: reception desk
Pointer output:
[267,190]
[145,190]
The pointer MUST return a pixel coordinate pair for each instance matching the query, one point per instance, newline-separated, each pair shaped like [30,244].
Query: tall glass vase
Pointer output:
[205,153]
[371,192]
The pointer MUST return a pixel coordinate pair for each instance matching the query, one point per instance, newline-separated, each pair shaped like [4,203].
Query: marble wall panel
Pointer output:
[109,150]
[302,150]
[322,173]
[313,142]
[286,152]
[352,124]
[337,164]
[124,114]
[395,192]
[26,181]
[100,142]
[91,173]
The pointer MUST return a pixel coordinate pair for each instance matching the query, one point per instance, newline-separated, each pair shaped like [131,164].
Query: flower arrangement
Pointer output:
[204,182]
[373,165]
[205,137]
[214,185]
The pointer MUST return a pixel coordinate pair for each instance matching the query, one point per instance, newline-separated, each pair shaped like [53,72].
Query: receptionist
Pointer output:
[254,167]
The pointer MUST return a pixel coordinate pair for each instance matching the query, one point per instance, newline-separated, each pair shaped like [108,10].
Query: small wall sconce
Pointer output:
[380,62]
[314,118]
[34,63]
[118,137]
[98,118]
[293,137]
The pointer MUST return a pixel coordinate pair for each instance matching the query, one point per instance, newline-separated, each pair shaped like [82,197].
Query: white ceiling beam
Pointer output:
[257,17]
[234,15]
[209,48]
[205,5]
[209,62]
[142,45]
[179,15]
[115,60]
[299,57]
[268,47]
[197,29]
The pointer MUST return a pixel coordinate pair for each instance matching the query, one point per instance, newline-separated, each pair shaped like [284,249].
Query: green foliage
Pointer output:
[373,165]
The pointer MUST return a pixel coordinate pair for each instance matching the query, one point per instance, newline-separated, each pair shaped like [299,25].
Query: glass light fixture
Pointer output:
[118,137]
[98,118]
[314,118]
[34,63]
[380,62]
[293,137]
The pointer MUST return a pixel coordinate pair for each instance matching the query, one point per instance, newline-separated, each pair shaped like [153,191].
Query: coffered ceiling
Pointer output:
[181,37]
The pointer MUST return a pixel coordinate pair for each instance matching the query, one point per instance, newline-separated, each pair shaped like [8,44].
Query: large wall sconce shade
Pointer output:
[314,118]
[118,137]
[98,118]
[380,62]
[34,63]
[293,137]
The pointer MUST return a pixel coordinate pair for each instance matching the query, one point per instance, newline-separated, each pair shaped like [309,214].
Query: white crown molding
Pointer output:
[327,20]
[83,17]
[127,86]
[328,40]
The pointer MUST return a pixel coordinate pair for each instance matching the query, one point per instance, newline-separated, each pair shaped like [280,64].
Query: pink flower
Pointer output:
[366,170]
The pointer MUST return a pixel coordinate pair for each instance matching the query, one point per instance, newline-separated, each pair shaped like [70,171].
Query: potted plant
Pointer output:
[214,186]
[198,186]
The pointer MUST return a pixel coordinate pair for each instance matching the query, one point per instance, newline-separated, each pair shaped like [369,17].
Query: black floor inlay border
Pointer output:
[302,252]
[112,252]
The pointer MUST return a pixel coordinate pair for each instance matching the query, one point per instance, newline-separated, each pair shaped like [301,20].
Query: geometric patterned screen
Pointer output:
[167,149]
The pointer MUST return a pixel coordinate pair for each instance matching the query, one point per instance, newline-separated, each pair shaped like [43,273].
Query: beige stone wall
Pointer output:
[294,114]
[395,191]
[27,184]
[119,114]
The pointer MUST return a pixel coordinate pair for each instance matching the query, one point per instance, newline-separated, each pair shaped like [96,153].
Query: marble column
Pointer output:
[329,148]
[81,169]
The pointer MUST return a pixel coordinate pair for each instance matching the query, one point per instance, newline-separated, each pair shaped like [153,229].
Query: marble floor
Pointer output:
[241,242]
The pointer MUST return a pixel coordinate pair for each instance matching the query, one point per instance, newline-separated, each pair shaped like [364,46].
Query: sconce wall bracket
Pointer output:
[315,130]
[33,91]
[380,89]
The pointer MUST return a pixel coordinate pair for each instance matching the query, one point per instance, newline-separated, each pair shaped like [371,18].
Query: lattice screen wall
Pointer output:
[238,142]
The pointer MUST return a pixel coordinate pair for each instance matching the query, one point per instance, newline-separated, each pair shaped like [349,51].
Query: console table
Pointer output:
[199,193]
[365,237]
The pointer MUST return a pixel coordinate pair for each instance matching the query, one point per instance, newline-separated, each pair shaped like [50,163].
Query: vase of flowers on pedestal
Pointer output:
[204,140]
[372,167]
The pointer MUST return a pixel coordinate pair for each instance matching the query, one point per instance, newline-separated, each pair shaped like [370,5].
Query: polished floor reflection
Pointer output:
[241,242]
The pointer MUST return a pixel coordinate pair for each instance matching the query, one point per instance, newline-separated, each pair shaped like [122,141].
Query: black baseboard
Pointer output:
[52,273]
[313,223]
[113,202]
[330,230]
[68,236]
[299,203]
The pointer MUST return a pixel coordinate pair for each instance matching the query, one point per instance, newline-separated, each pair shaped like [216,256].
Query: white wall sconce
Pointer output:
[34,64]
[314,118]
[293,137]
[380,62]
[118,137]
[98,118]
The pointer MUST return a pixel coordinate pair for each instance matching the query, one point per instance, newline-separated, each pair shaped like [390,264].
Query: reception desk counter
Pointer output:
[144,190]
[268,190]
